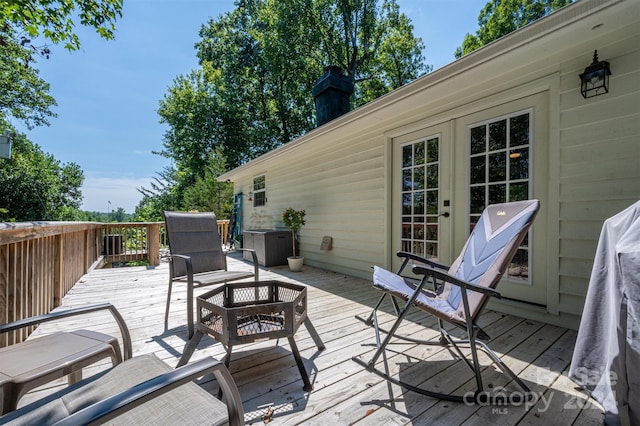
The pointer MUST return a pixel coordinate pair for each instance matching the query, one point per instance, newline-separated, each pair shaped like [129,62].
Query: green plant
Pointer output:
[294,220]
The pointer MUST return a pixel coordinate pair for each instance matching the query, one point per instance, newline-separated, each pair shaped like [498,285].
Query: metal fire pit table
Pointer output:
[245,312]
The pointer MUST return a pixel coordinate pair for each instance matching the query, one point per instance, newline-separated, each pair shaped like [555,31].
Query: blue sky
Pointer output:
[108,92]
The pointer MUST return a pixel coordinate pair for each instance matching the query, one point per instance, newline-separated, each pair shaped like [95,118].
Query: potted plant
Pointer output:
[294,220]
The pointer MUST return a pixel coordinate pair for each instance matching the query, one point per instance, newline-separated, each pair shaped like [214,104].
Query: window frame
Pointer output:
[259,190]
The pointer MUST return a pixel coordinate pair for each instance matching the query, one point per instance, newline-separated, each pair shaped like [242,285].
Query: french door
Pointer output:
[445,175]
[420,193]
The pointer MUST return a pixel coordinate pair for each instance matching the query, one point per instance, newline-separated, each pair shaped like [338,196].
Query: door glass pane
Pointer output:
[418,178]
[431,250]
[406,204]
[499,171]
[498,135]
[518,191]
[478,139]
[419,154]
[420,196]
[407,157]
[418,231]
[432,202]
[432,232]
[418,203]
[519,267]
[432,176]
[519,130]
[519,164]
[497,167]
[497,194]
[433,154]
[407,180]
[477,202]
[478,170]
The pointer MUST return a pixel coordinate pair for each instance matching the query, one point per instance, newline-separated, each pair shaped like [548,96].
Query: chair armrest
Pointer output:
[109,408]
[187,259]
[187,262]
[444,276]
[51,316]
[254,256]
[416,258]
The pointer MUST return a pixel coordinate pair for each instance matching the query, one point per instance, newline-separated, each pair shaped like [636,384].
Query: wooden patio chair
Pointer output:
[197,258]
[139,390]
[459,295]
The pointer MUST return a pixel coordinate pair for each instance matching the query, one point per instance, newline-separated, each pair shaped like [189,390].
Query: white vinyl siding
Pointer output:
[587,155]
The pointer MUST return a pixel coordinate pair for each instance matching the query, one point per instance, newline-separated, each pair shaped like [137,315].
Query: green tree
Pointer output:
[372,42]
[36,186]
[160,197]
[207,194]
[259,64]
[501,17]
[55,19]
[23,94]
[118,215]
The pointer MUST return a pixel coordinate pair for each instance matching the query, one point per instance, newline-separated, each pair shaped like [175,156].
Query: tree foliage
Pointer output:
[372,42]
[259,63]
[160,197]
[23,94]
[54,19]
[207,194]
[36,186]
[501,17]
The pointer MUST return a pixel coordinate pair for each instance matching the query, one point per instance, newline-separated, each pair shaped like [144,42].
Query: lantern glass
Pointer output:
[595,79]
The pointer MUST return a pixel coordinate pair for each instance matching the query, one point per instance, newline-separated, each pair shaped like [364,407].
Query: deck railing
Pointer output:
[41,261]
[126,242]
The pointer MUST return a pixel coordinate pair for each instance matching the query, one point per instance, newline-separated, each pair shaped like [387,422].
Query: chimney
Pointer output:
[331,94]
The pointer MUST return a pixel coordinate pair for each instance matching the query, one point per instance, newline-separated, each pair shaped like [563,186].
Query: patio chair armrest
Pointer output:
[187,262]
[444,276]
[254,256]
[109,408]
[184,257]
[52,316]
[410,256]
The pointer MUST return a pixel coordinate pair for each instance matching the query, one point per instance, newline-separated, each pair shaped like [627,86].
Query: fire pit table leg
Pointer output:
[227,357]
[314,334]
[308,387]
[191,346]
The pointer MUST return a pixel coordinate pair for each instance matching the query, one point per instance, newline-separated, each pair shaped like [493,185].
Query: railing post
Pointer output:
[153,243]
[58,276]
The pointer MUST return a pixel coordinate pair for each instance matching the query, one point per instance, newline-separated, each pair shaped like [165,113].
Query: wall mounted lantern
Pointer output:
[5,145]
[595,79]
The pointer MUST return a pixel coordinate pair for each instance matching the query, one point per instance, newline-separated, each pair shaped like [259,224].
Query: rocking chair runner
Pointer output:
[460,295]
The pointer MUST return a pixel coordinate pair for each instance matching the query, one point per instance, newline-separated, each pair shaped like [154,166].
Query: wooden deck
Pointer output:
[344,393]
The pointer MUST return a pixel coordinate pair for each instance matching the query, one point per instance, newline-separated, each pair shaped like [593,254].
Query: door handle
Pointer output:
[445,214]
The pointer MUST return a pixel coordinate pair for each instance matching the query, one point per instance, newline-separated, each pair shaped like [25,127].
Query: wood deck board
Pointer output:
[344,393]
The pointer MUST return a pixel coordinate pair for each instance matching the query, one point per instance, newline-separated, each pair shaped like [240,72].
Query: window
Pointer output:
[420,185]
[499,172]
[259,191]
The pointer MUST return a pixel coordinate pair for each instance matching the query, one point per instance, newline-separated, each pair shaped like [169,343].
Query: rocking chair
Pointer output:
[459,296]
